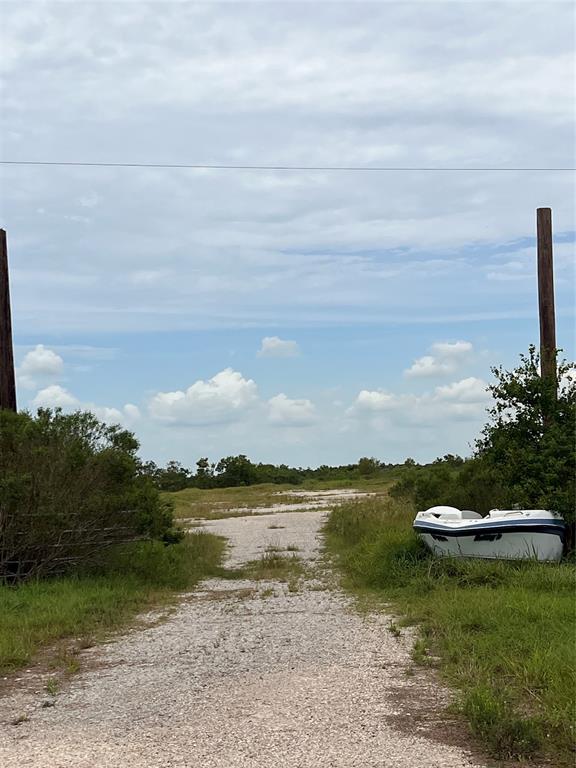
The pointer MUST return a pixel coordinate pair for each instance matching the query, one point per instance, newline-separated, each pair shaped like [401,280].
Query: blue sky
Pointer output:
[309,317]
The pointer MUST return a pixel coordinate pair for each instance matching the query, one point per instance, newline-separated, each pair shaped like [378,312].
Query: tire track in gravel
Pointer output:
[245,674]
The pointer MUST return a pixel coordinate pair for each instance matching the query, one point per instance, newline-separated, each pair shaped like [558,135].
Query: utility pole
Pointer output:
[546,298]
[7,377]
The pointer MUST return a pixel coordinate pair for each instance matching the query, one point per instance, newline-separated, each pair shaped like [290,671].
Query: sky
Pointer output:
[306,317]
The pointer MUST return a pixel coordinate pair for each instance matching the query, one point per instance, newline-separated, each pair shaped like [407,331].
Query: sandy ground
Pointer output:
[243,674]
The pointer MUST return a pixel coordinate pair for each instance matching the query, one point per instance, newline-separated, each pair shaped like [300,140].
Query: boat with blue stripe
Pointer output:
[517,534]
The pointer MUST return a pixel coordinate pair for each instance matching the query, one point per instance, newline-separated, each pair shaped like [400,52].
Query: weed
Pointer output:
[293,585]
[394,629]
[275,566]
[72,666]
[420,653]
[52,686]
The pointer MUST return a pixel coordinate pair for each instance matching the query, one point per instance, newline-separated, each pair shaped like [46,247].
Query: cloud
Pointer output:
[470,390]
[375,401]
[126,417]
[40,365]
[445,359]
[463,399]
[132,411]
[56,396]
[272,346]
[282,411]
[224,397]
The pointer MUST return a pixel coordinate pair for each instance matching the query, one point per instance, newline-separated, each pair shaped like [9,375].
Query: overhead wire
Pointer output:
[293,168]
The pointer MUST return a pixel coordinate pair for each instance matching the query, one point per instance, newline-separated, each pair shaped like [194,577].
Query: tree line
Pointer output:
[232,471]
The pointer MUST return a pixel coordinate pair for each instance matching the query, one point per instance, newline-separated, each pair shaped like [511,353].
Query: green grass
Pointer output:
[504,631]
[42,613]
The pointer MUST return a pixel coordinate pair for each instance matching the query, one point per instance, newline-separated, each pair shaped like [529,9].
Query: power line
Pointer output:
[345,168]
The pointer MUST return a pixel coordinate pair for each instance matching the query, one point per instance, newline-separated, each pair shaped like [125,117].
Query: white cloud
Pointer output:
[39,366]
[132,412]
[445,359]
[428,365]
[126,417]
[464,399]
[222,398]
[55,396]
[470,390]
[273,346]
[283,411]
[375,401]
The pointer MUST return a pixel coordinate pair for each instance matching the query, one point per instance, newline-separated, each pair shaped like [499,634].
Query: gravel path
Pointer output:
[243,674]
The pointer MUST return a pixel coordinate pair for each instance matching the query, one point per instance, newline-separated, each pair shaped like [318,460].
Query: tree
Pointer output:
[528,445]
[368,466]
[174,477]
[204,474]
[236,470]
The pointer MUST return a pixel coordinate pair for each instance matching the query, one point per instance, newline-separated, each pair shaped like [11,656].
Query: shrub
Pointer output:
[70,487]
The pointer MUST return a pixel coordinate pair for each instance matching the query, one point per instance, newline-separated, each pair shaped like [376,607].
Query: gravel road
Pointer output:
[243,674]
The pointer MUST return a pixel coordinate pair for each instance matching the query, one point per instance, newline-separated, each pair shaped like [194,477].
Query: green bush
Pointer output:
[70,488]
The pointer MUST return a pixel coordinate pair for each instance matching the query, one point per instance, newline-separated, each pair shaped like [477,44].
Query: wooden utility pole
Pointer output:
[546,297]
[7,377]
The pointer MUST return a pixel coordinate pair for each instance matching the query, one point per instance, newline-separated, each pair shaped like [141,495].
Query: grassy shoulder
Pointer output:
[38,614]
[503,632]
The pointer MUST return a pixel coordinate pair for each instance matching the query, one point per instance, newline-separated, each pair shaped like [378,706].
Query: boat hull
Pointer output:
[502,540]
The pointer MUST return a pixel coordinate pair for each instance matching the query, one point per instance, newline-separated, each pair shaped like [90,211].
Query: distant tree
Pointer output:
[236,470]
[174,477]
[409,462]
[368,466]
[204,477]
[451,459]
[149,469]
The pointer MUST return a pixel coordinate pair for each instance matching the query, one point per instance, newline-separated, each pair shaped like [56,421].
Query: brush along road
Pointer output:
[254,672]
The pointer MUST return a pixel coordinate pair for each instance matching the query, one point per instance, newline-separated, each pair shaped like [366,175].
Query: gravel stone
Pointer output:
[243,674]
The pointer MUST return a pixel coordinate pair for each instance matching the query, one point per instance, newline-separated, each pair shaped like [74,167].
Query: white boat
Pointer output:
[514,534]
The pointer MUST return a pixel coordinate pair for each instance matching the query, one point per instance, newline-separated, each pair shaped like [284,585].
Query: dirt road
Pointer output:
[244,674]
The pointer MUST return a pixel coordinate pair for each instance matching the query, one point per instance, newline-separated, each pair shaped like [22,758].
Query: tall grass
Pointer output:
[504,631]
[133,577]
